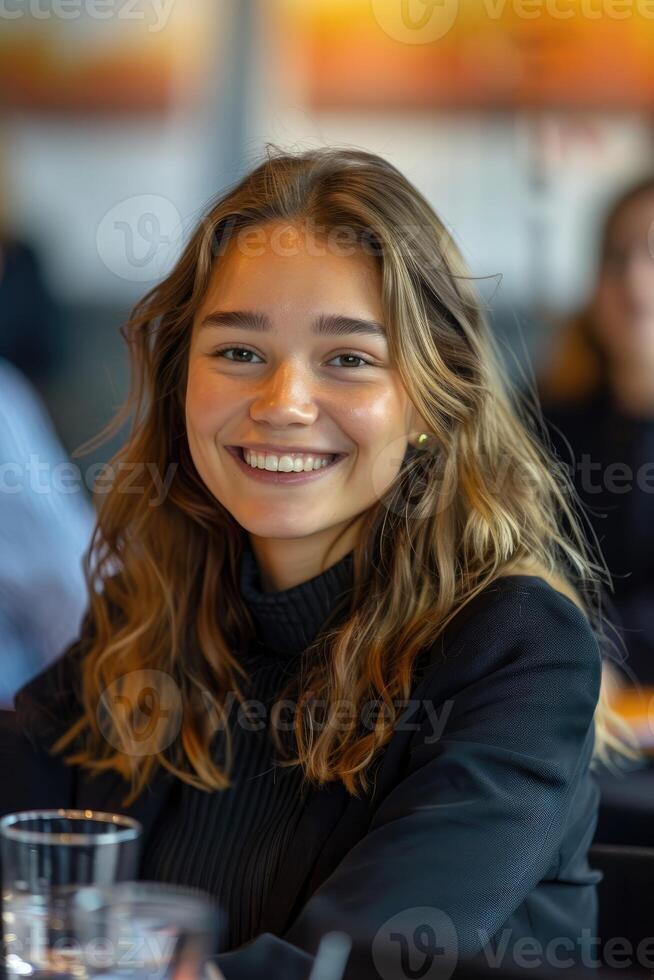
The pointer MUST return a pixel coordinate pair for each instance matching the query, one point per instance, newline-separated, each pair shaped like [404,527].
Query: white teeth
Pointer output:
[286,463]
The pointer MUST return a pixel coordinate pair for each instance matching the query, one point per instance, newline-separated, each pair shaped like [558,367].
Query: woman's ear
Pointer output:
[420,433]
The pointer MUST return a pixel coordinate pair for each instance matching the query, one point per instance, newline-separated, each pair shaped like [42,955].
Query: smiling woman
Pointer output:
[361,518]
[304,384]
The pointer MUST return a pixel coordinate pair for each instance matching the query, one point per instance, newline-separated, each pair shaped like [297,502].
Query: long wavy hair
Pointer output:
[485,501]
[579,364]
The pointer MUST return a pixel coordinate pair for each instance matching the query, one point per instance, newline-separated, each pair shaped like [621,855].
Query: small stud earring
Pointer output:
[422,438]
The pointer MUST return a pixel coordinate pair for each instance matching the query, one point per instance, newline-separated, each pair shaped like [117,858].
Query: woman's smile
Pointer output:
[284,469]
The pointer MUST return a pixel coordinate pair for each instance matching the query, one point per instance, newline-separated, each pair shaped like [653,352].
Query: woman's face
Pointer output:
[624,300]
[289,383]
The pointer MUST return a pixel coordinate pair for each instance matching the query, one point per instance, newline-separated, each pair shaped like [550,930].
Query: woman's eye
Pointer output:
[351,357]
[240,350]
[234,354]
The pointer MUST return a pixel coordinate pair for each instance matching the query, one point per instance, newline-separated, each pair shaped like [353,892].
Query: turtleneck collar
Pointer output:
[289,620]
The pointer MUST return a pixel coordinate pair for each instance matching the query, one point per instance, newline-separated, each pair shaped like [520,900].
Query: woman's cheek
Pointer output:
[207,402]
[371,417]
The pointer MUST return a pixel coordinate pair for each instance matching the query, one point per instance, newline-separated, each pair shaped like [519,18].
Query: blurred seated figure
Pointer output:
[46,521]
[597,396]
[28,312]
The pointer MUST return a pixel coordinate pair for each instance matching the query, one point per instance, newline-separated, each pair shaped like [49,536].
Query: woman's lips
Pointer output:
[275,476]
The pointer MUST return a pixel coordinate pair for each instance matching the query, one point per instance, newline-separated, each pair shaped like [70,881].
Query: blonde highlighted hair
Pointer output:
[485,501]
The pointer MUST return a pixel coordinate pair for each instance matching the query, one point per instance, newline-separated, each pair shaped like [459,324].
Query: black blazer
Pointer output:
[477,824]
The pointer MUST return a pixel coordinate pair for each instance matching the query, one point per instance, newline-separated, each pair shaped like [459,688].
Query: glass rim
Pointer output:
[123,828]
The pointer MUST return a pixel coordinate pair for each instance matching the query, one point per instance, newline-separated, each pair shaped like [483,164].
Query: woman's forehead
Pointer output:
[279,280]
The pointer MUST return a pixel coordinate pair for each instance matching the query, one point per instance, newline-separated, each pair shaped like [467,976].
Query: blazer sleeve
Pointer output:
[31,776]
[479,816]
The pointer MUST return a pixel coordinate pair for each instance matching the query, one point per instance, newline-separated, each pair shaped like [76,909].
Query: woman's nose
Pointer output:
[285,396]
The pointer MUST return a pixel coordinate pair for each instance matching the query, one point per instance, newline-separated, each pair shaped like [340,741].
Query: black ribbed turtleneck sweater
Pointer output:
[229,843]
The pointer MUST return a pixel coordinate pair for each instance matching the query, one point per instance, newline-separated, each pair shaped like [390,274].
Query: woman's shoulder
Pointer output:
[529,582]
[518,621]
[55,691]
[530,602]
[47,704]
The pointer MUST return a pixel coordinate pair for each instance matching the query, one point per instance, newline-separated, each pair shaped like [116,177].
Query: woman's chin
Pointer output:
[282,526]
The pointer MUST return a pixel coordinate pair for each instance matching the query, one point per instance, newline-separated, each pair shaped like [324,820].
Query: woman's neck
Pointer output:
[286,562]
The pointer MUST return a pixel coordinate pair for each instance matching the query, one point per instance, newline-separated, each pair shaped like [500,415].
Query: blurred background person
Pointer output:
[46,521]
[28,313]
[598,398]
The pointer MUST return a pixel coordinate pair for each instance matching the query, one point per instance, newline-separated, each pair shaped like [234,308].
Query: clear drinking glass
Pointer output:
[141,930]
[46,856]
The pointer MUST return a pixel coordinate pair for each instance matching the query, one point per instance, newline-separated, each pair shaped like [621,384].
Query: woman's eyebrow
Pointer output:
[335,324]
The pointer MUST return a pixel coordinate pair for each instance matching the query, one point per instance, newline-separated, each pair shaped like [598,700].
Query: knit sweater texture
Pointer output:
[229,842]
